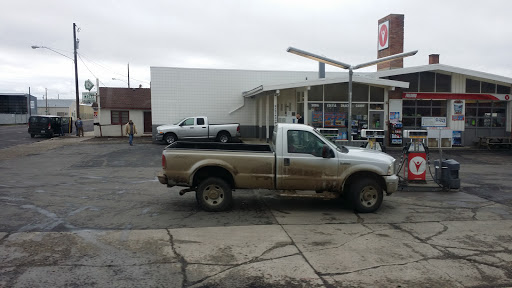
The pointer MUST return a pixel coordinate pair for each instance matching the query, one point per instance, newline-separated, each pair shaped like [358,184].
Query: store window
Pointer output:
[376,94]
[443,83]
[485,114]
[119,117]
[414,110]
[503,89]
[316,114]
[336,92]
[411,78]
[427,81]
[360,92]
[335,115]
[316,93]
[472,86]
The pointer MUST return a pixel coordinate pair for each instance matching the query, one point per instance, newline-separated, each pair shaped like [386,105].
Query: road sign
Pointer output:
[88,97]
[88,85]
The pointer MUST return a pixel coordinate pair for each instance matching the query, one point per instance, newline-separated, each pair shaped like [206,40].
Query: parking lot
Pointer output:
[90,212]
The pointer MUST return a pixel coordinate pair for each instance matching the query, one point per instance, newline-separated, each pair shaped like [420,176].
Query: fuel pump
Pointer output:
[373,137]
[415,153]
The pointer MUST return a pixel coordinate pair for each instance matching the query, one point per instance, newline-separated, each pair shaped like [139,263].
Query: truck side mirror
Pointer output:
[327,152]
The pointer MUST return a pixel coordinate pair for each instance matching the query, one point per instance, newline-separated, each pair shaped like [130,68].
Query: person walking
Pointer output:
[130,130]
[79,127]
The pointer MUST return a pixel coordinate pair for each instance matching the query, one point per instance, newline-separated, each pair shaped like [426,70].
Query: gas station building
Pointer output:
[456,105]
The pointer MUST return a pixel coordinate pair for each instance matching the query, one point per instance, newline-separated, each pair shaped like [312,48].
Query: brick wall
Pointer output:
[396,42]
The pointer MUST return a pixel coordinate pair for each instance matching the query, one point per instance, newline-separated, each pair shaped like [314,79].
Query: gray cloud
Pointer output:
[234,35]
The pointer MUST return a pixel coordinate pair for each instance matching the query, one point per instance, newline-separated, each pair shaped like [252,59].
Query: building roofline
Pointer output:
[443,68]
[356,78]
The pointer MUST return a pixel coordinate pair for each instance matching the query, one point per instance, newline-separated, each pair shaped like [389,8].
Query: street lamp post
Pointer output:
[350,73]
[76,67]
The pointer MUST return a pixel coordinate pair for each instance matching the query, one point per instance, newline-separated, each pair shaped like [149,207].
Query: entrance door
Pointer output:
[147,122]
[376,120]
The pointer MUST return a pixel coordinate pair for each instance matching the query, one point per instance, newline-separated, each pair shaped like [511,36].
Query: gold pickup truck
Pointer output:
[299,158]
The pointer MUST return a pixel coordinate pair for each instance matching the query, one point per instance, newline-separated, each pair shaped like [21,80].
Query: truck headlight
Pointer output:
[391,168]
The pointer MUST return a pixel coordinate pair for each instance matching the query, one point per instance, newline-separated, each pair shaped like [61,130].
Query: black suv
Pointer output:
[48,125]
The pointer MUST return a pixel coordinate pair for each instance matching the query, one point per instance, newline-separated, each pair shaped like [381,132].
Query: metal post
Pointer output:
[46,96]
[28,103]
[349,132]
[76,74]
[128,75]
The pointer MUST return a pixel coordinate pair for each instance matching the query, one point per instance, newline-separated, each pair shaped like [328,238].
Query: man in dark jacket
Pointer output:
[300,120]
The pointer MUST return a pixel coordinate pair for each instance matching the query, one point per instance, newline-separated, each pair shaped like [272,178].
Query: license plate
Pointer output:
[42,131]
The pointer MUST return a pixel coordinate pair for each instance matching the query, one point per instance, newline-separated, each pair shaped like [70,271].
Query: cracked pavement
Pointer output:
[91,213]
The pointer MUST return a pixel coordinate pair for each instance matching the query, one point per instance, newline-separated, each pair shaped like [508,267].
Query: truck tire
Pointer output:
[366,195]
[170,138]
[32,135]
[223,137]
[214,195]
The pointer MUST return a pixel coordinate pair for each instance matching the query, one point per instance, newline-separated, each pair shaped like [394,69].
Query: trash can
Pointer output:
[447,174]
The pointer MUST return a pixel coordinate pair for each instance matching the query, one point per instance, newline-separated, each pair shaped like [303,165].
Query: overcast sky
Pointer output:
[234,34]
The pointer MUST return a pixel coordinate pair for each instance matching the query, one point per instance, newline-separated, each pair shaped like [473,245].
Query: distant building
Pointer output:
[116,106]
[59,107]
[14,107]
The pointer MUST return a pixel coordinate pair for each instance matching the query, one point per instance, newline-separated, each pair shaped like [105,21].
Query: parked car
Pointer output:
[197,128]
[49,125]
[299,158]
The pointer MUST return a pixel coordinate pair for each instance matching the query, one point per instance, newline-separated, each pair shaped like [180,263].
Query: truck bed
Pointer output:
[220,146]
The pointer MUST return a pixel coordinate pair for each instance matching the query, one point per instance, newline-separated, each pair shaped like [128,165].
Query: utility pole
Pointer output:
[128,75]
[46,96]
[76,73]
[28,104]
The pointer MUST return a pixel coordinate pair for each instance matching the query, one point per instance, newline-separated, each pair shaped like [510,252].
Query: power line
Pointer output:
[120,74]
[90,69]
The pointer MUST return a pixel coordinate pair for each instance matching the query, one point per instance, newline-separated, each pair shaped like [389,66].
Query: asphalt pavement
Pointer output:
[91,212]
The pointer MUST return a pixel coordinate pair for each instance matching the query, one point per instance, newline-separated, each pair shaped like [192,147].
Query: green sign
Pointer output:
[88,85]
[88,97]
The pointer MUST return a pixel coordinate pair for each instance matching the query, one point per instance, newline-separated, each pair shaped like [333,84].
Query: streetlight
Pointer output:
[121,80]
[76,67]
[350,73]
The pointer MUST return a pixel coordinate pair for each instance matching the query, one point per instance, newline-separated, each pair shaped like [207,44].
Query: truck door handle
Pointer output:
[286,161]
[204,127]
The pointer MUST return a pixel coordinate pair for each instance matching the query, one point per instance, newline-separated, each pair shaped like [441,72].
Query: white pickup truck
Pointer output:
[299,158]
[197,128]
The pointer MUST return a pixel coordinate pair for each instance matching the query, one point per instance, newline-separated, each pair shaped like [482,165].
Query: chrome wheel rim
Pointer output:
[223,138]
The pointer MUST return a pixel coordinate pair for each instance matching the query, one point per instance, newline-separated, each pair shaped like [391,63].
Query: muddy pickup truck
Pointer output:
[299,158]
[194,128]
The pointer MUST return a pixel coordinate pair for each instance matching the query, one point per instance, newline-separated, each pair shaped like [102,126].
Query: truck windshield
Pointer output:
[179,121]
[326,140]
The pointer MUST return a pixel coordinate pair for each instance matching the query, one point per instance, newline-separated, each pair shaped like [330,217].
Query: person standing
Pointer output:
[130,130]
[80,127]
[300,120]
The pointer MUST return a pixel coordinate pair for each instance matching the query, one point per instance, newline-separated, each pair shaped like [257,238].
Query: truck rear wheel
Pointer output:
[223,137]
[366,195]
[214,194]
[170,138]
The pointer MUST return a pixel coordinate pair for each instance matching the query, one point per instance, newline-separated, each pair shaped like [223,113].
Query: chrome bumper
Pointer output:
[391,183]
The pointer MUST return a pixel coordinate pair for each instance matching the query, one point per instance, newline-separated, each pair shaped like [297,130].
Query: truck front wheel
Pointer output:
[170,138]
[366,195]
[214,194]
